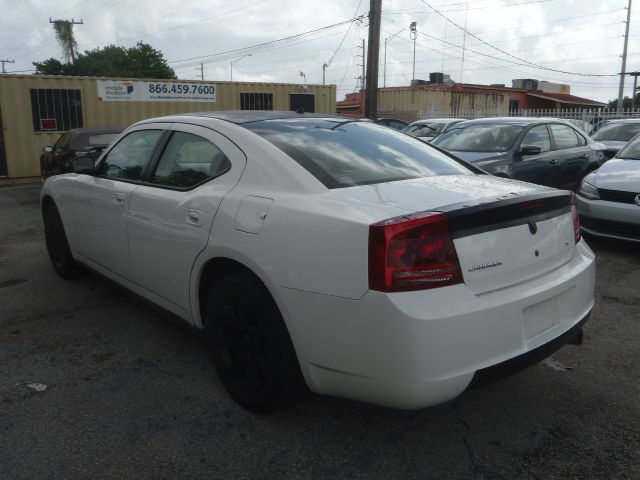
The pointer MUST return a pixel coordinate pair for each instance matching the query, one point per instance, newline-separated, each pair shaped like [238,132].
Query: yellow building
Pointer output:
[429,101]
[36,109]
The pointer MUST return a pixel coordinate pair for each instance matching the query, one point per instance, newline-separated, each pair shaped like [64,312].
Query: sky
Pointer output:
[576,42]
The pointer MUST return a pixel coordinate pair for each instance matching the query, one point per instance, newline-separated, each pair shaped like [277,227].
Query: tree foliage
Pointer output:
[64,34]
[141,61]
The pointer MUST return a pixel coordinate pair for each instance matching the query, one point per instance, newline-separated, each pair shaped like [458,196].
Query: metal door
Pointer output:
[304,101]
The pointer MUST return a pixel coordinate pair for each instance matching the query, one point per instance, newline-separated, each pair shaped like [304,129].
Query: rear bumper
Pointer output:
[526,360]
[609,219]
[416,349]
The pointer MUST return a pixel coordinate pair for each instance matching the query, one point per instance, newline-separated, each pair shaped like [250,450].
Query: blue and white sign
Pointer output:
[175,91]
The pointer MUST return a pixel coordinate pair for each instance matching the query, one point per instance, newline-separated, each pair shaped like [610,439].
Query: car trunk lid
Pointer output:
[505,232]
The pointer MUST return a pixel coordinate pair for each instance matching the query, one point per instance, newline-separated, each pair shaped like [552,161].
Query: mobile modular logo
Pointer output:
[118,90]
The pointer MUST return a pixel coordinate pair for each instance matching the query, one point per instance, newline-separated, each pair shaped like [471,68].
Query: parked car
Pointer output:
[544,151]
[430,128]
[616,133]
[392,122]
[609,198]
[88,141]
[327,252]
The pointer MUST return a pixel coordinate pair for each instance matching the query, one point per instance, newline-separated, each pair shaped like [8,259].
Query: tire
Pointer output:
[250,345]
[57,244]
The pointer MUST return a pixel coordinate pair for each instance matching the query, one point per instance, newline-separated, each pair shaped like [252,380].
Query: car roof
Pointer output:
[246,116]
[440,120]
[623,120]
[516,120]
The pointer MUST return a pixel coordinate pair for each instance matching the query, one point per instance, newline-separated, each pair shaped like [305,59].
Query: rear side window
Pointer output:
[348,153]
[189,160]
[129,156]
[564,136]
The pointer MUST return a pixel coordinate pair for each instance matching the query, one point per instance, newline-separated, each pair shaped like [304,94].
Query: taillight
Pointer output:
[576,219]
[412,252]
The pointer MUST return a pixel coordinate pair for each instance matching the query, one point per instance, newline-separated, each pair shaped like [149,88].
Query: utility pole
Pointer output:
[69,39]
[413,33]
[324,69]
[363,64]
[624,59]
[6,61]
[202,71]
[373,58]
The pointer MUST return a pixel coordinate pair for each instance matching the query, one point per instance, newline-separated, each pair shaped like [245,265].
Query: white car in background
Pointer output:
[609,198]
[326,252]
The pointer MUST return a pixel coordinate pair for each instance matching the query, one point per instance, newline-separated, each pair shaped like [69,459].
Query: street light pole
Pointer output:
[231,65]
[413,32]
[384,75]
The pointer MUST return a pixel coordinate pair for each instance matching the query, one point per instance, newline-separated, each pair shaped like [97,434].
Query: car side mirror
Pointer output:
[82,164]
[530,150]
[47,149]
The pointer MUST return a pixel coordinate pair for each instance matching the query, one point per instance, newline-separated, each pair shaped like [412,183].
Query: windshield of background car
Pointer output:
[631,150]
[425,129]
[479,138]
[344,154]
[620,132]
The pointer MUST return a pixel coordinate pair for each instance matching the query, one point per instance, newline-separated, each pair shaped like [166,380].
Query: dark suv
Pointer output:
[89,141]
[545,151]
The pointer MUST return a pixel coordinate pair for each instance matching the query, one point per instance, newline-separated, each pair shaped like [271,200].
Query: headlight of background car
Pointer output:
[588,191]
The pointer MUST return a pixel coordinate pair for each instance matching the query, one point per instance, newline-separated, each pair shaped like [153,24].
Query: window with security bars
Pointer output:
[56,110]
[256,101]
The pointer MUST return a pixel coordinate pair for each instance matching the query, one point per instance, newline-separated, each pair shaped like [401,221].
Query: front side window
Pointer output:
[537,137]
[348,153]
[479,138]
[127,159]
[189,160]
[564,136]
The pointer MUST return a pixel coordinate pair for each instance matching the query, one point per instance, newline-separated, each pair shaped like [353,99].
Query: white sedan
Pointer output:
[327,253]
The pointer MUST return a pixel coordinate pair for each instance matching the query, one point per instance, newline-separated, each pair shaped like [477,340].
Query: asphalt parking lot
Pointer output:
[95,383]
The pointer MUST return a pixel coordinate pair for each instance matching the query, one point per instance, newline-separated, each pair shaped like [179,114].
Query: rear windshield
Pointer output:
[349,153]
[479,138]
[102,138]
[621,132]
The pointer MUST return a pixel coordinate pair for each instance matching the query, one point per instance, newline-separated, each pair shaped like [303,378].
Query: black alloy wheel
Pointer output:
[57,244]
[250,345]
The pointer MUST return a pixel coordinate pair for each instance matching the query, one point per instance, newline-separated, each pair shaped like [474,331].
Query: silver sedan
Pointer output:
[608,199]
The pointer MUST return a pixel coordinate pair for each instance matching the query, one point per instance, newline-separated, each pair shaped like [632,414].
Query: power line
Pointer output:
[541,67]
[235,51]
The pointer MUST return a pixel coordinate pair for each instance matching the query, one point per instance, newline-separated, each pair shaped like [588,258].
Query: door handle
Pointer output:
[553,162]
[119,199]
[584,155]
[193,217]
